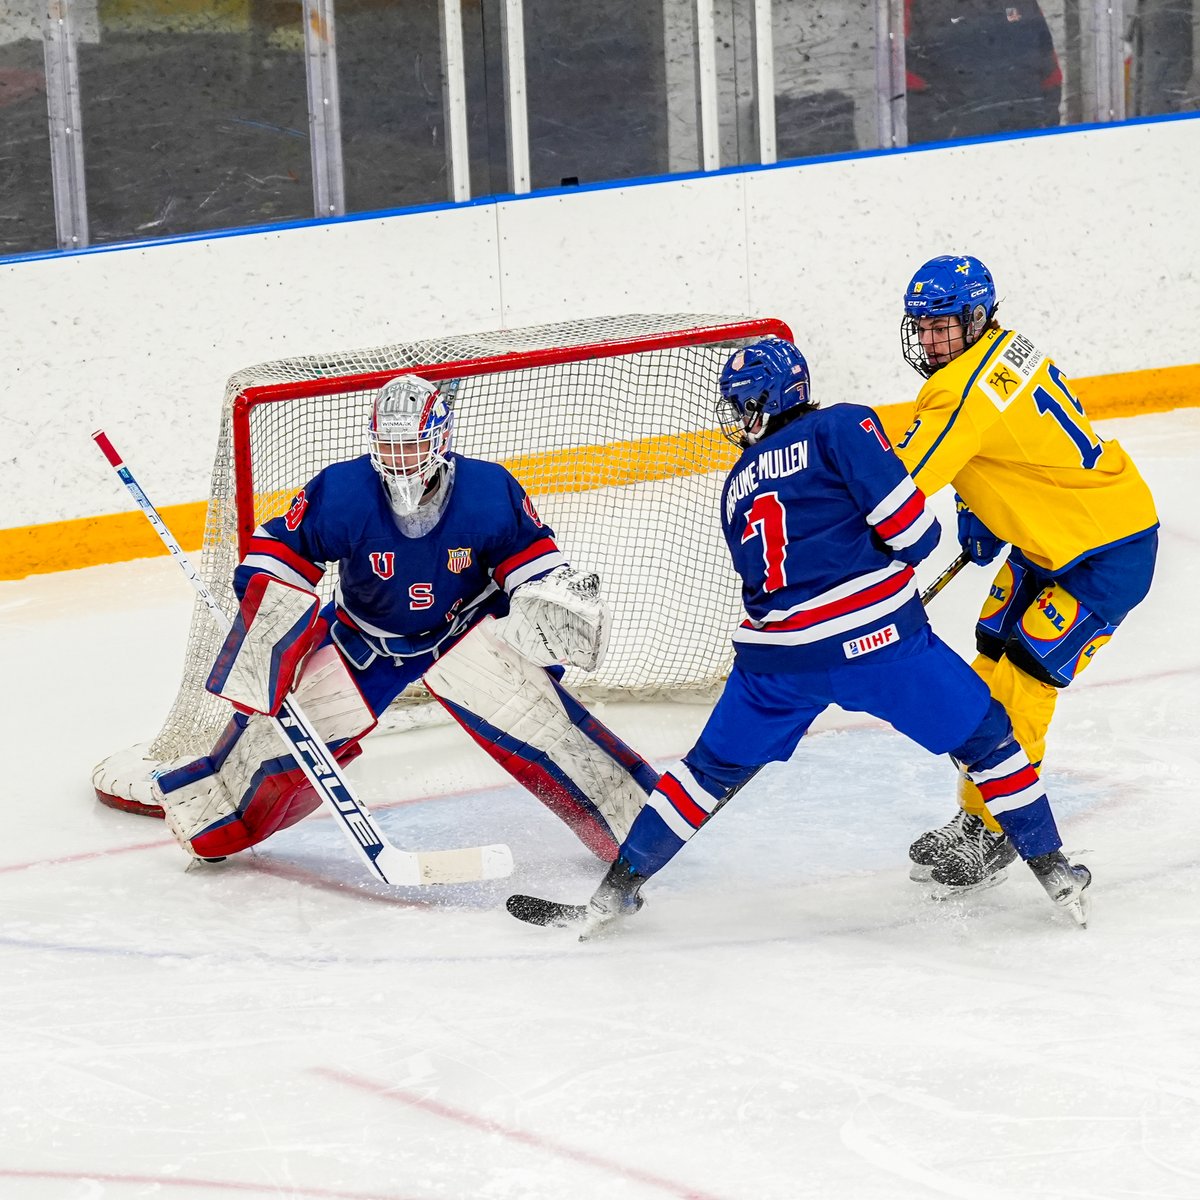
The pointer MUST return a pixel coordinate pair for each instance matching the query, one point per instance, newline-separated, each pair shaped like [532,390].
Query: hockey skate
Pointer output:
[617,896]
[980,860]
[1065,882]
[931,845]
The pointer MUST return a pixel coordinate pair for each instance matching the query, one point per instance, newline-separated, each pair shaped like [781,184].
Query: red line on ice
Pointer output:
[485,1125]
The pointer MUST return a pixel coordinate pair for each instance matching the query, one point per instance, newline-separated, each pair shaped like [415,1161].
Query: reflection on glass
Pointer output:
[597,90]
[195,117]
[390,78]
[26,192]
[824,76]
[1161,57]
[978,67]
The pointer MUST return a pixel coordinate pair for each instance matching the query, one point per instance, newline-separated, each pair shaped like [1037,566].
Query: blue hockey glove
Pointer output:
[976,539]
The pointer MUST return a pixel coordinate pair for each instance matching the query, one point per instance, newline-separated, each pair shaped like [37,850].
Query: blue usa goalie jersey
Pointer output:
[824,524]
[407,595]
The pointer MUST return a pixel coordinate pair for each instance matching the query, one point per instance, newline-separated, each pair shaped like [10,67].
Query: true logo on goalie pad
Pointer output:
[458,559]
[875,640]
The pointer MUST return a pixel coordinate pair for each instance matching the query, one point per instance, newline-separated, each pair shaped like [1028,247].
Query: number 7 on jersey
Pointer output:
[767,519]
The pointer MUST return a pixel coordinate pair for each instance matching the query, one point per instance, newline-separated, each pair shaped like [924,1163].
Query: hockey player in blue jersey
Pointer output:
[824,525]
[445,572]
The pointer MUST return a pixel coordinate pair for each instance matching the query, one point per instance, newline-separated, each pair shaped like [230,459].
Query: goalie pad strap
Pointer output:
[275,628]
[543,737]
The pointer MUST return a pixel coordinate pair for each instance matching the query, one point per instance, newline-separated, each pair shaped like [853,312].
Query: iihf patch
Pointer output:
[458,559]
[875,640]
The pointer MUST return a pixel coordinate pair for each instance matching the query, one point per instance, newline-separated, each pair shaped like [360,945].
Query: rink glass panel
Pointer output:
[196,114]
[1162,37]
[26,186]
[195,117]
[825,77]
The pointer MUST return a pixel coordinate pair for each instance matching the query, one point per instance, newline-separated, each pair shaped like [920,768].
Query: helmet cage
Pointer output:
[409,438]
[953,286]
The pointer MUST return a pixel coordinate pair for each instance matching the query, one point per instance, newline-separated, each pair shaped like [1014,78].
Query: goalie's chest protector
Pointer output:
[814,583]
[400,585]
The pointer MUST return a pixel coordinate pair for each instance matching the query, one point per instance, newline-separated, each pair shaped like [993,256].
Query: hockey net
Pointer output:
[608,424]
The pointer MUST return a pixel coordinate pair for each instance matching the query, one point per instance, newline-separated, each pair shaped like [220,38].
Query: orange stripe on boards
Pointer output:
[89,541]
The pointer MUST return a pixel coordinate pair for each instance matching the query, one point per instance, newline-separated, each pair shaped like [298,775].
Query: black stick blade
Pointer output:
[533,910]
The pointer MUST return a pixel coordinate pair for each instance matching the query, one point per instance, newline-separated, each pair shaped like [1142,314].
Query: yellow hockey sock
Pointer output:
[1030,705]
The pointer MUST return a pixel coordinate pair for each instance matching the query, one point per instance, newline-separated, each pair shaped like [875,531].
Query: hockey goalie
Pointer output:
[446,574]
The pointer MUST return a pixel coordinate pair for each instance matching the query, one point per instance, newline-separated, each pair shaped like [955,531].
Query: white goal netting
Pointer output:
[609,425]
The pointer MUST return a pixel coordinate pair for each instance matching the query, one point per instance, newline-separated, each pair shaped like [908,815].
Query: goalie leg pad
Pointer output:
[250,785]
[542,736]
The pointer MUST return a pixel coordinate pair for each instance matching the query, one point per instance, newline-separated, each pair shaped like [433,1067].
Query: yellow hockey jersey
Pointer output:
[1002,424]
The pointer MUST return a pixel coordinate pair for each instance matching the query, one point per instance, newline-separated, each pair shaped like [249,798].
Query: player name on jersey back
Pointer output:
[771,464]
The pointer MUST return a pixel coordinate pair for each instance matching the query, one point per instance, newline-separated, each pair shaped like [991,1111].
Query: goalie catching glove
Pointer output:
[559,618]
[277,625]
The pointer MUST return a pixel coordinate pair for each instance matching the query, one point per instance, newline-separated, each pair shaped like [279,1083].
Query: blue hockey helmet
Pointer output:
[950,285]
[760,382]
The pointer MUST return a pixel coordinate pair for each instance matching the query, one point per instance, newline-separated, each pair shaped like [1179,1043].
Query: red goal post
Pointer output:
[608,423]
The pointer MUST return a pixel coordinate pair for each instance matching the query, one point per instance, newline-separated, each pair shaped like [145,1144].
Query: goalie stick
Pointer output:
[535,910]
[402,868]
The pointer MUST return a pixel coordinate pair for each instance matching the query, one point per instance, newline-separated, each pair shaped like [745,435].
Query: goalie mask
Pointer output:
[409,440]
[764,385]
[947,306]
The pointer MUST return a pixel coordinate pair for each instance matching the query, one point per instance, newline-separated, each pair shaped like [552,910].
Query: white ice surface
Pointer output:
[788,1017]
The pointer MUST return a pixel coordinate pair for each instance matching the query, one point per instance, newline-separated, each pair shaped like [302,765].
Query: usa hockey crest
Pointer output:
[459,559]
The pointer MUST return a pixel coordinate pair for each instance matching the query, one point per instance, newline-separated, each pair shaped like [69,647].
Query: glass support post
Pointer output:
[454,100]
[324,109]
[764,80]
[516,101]
[708,119]
[890,87]
[1108,18]
[66,125]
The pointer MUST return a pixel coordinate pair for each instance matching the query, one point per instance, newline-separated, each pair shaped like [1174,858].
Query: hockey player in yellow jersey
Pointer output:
[999,421]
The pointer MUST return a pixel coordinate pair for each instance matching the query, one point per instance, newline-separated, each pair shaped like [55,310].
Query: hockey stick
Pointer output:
[399,867]
[534,910]
[945,577]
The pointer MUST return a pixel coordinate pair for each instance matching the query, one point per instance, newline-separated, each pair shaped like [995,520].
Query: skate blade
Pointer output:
[944,891]
[1079,908]
[920,874]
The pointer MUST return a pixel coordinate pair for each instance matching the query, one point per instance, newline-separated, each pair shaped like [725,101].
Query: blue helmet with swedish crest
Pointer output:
[950,285]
